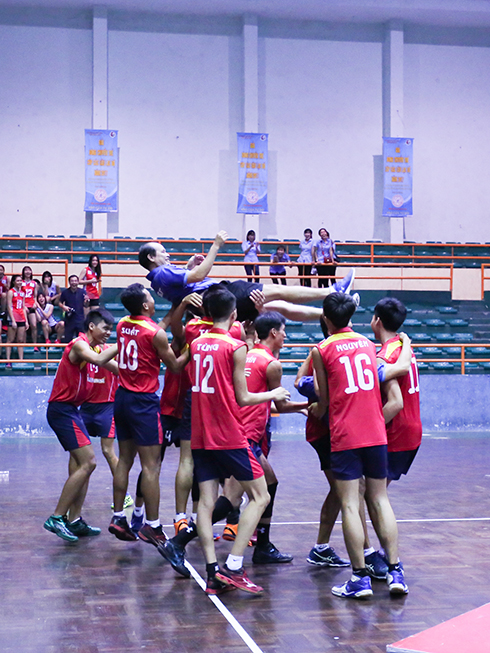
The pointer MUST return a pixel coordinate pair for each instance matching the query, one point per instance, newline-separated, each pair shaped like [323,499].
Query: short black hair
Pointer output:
[146,250]
[339,307]
[392,313]
[324,328]
[73,275]
[97,316]
[218,303]
[133,297]
[265,322]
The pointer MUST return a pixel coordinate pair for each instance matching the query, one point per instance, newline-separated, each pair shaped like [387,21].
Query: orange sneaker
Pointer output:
[229,532]
[180,524]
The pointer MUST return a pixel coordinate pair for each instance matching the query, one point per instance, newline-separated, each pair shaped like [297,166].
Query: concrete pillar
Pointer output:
[393,124]
[100,83]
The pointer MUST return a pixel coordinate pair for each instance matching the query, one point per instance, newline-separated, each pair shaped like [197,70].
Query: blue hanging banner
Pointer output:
[398,176]
[101,171]
[252,173]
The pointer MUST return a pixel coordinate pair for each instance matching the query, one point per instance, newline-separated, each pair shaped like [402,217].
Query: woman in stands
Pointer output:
[306,257]
[17,314]
[51,289]
[4,287]
[45,317]
[324,256]
[251,248]
[29,288]
[90,277]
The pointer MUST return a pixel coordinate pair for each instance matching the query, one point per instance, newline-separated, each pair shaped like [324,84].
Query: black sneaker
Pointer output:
[152,535]
[326,558]
[376,566]
[80,528]
[215,586]
[175,554]
[269,554]
[120,528]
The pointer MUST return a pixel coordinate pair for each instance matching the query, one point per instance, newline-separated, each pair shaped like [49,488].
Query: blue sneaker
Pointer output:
[137,523]
[356,588]
[396,581]
[376,565]
[344,285]
[326,558]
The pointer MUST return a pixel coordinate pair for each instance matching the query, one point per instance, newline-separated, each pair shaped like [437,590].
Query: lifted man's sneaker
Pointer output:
[269,554]
[376,566]
[152,535]
[137,523]
[120,528]
[326,558]
[80,528]
[175,554]
[57,525]
[344,285]
[396,581]
[215,586]
[238,579]
[355,588]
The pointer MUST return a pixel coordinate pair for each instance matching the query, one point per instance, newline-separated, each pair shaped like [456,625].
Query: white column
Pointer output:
[393,124]
[100,78]
[251,95]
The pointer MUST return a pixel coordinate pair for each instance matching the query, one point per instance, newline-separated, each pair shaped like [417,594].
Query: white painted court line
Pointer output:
[399,521]
[225,612]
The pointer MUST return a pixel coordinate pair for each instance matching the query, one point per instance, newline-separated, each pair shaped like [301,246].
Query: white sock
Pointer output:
[194,516]
[179,516]
[153,524]
[322,547]
[368,552]
[234,562]
[120,514]
[138,511]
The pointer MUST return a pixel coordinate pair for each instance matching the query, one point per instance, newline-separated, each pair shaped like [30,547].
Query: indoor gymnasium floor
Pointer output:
[104,595]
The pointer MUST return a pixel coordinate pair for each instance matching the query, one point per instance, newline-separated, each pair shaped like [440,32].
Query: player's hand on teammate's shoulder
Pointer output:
[221,238]
[281,394]
[403,337]
[317,410]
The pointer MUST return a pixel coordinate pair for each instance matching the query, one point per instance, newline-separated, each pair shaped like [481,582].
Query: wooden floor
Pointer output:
[103,595]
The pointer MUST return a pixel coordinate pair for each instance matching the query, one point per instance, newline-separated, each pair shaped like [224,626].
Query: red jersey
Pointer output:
[70,382]
[101,382]
[255,418]
[139,363]
[315,429]
[200,325]
[29,289]
[405,429]
[355,412]
[91,289]
[4,284]
[18,299]
[216,421]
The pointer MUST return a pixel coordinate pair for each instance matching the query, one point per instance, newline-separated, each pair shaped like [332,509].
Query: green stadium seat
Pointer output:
[443,366]
[290,368]
[292,323]
[480,352]
[433,323]
[458,323]
[463,337]
[412,322]
[429,352]
[114,306]
[446,309]
[299,336]
[444,337]
[420,337]
[316,336]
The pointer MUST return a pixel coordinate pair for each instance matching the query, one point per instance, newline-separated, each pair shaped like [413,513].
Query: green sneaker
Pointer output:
[128,502]
[80,528]
[56,525]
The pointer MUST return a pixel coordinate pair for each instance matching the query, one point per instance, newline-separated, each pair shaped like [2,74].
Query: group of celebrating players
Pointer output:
[222,375]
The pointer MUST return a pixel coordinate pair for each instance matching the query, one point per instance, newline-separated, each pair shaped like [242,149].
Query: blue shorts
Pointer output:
[137,417]
[256,449]
[399,462]
[99,419]
[212,464]
[371,462]
[67,423]
[170,426]
[322,447]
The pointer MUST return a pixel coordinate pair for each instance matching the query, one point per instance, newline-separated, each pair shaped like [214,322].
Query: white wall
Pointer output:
[45,104]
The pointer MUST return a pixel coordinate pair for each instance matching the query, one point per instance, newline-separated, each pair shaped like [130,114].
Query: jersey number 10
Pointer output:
[128,355]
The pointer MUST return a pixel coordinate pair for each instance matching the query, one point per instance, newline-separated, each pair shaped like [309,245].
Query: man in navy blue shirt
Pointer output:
[174,283]
[72,300]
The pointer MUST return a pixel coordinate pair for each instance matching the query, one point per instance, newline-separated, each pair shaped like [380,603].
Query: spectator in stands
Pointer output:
[251,249]
[306,257]
[72,302]
[30,290]
[17,314]
[277,268]
[50,289]
[324,257]
[90,277]
[45,317]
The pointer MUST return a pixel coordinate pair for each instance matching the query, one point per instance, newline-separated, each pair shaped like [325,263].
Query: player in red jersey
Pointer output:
[70,391]
[264,372]
[90,277]
[4,287]
[401,404]
[17,316]
[142,345]
[29,288]
[219,445]
[346,370]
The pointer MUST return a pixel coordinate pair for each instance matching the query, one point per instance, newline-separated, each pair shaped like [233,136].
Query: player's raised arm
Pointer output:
[201,271]
[160,343]
[81,350]
[243,396]
[319,408]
